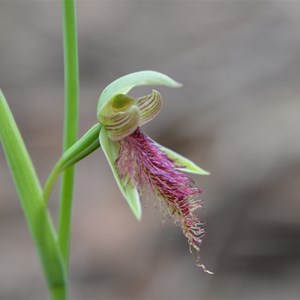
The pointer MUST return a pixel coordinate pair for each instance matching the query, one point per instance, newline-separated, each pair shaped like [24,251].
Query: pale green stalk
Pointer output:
[32,202]
[71,121]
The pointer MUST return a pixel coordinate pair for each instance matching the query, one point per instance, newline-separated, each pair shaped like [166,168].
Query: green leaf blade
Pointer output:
[129,191]
[31,199]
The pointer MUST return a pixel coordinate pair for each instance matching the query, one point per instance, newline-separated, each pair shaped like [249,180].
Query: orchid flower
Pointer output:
[139,164]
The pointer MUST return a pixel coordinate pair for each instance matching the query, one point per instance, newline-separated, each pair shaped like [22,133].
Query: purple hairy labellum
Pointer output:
[142,163]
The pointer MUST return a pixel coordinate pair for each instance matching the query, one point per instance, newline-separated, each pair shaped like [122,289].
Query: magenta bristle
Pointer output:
[142,163]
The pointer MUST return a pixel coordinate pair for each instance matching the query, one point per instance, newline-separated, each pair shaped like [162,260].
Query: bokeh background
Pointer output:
[237,115]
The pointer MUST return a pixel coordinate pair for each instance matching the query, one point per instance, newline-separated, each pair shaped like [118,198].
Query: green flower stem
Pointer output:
[71,121]
[83,147]
[31,198]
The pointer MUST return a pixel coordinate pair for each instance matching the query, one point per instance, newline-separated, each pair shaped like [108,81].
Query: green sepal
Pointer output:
[87,144]
[189,166]
[130,193]
[124,84]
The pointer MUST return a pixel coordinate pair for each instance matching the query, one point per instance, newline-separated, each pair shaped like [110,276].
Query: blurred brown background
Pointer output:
[237,115]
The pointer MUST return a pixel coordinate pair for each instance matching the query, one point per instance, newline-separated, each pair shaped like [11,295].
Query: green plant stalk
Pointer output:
[88,143]
[32,202]
[70,121]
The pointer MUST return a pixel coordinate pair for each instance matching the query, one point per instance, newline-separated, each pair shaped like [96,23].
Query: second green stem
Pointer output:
[70,121]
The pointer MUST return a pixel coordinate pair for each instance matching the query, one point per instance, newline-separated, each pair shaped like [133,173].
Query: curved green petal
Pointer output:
[130,193]
[149,106]
[190,167]
[124,84]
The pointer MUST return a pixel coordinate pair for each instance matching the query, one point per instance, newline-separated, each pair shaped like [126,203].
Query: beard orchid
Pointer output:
[141,165]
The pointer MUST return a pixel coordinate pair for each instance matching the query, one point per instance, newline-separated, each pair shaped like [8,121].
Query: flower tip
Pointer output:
[196,171]
[206,173]
[137,211]
[177,84]
[139,217]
